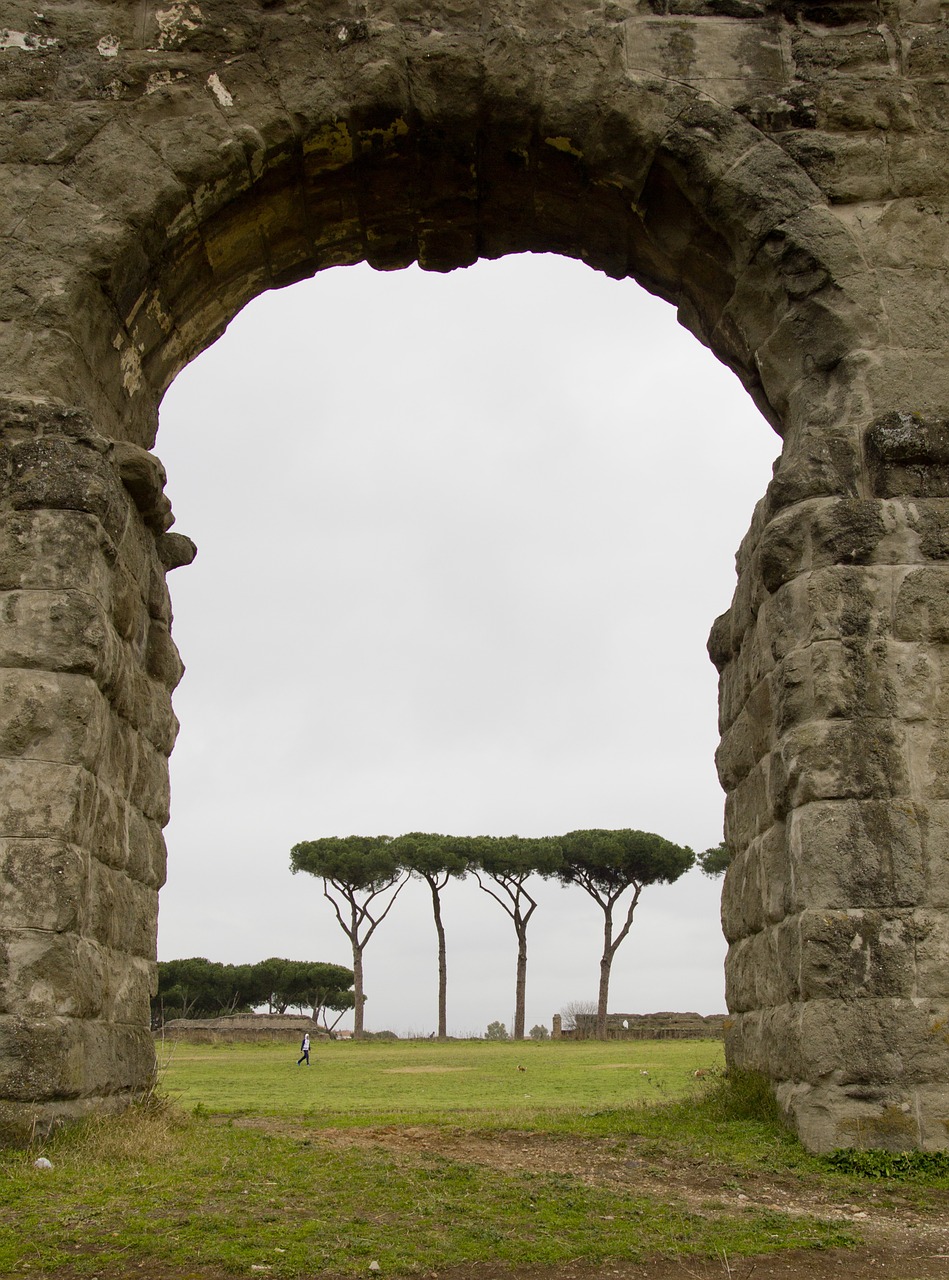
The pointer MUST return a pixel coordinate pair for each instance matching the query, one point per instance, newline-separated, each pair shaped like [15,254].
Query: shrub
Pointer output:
[901,1166]
[743,1095]
[496,1031]
[539,1032]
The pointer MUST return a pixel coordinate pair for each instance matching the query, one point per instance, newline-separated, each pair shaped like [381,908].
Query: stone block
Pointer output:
[50,974]
[43,885]
[868,1044]
[863,106]
[831,680]
[162,661]
[828,1117]
[174,551]
[146,855]
[848,531]
[143,702]
[121,913]
[917,164]
[66,975]
[129,613]
[58,1058]
[819,55]
[934,821]
[921,611]
[897,367]
[867,954]
[909,454]
[52,716]
[143,476]
[928,54]
[40,800]
[741,975]
[918,309]
[723,643]
[929,519]
[744,1040]
[776,875]
[931,1105]
[55,551]
[928,756]
[746,670]
[856,854]
[137,554]
[67,475]
[57,631]
[102,819]
[846,167]
[834,603]
[754,977]
[158,598]
[783,549]
[814,337]
[919,679]
[44,800]
[932,954]
[838,760]
[747,740]
[116,762]
[150,790]
[749,810]
[818,533]
[822,454]
[743,895]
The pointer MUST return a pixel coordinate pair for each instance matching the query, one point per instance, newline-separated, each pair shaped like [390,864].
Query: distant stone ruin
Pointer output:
[650,1026]
[778,171]
[238,1028]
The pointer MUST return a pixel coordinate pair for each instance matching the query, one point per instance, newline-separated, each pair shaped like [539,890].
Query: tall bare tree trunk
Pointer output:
[520,985]
[606,963]
[603,996]
[442,963]
[357,988]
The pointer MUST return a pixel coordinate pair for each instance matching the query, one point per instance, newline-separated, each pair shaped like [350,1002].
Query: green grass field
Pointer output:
[420,1157]
[351,1082]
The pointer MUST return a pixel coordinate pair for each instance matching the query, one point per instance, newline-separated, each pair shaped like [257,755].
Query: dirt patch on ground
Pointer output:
[618,1066]
[422,1071]
[906,1237]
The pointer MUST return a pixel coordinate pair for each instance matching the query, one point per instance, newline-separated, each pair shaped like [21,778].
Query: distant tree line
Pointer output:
[199,988]
[363,876]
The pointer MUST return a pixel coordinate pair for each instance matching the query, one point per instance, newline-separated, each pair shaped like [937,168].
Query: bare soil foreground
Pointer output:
[906,1238]
[902,1229]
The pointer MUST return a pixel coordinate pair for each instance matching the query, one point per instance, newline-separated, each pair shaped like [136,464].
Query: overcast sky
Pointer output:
[460,542]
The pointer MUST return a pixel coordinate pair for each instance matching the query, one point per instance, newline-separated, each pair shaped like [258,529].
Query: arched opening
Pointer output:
[485,520]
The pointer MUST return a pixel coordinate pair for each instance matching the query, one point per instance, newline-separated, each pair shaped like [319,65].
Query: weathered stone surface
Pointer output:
[776,172]
[856,854]
[50,1058]
[44,884]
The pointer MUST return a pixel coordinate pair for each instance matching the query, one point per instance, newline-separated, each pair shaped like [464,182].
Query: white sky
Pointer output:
[460,542]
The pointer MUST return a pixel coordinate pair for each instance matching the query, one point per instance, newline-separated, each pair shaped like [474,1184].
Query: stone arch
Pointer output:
[173,164]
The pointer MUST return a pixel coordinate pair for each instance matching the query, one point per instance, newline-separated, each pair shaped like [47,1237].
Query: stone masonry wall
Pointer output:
[778,171]
[86,668]
[833,717]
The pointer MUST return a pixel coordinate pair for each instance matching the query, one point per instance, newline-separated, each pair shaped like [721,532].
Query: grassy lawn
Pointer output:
[477,1080]
[252,1165]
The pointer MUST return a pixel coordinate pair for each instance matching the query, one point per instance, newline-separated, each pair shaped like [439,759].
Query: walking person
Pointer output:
[304,1049]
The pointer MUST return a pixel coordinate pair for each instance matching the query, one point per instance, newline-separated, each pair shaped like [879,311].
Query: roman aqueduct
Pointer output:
[778,169]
